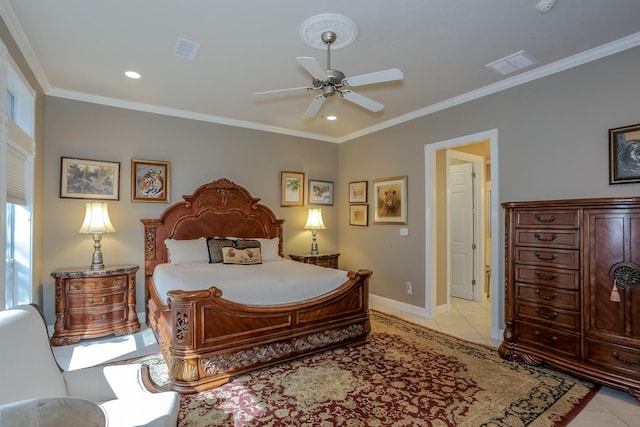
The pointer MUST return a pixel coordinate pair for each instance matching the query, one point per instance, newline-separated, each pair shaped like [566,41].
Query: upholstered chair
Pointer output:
[28,370]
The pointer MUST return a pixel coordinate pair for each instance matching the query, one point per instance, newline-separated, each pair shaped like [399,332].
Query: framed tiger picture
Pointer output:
[149,181]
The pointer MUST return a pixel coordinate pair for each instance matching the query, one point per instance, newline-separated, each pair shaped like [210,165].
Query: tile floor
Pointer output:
[467,320]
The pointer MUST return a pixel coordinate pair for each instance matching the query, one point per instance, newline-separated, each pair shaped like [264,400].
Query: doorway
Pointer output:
[437,295]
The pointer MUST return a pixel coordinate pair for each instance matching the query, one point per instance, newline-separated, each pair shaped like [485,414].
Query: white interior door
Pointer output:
[461,231]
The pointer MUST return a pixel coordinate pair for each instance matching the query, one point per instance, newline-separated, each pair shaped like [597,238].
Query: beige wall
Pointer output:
[199,152]
[552,143]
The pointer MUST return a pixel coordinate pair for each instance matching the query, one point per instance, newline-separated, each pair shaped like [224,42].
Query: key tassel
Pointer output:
[615,294]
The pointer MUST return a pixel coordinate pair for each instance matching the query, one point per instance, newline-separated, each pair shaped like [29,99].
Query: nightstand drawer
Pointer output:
[96,299]
[83,318]
[329,260]
[97,283]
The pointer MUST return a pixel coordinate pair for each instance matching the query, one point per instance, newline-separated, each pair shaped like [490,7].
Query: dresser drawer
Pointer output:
[567,239]
[568,218]
[83,318]
[560,258]
[96,283]
[545,314]
[559,298]
[624,360]
[549,340]
[96,299]
[567,279]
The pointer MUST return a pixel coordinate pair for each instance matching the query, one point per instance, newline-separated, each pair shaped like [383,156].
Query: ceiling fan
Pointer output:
[330,81]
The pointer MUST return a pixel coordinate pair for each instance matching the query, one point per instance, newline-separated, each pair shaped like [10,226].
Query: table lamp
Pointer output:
[314,223]
[96,222]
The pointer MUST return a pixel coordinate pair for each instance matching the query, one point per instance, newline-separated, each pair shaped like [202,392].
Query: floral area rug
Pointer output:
[406,376]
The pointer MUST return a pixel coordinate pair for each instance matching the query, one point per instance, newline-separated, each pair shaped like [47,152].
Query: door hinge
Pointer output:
[474,246]
[473,282]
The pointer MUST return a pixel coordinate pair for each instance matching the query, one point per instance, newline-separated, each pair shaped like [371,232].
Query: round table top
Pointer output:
[52,412]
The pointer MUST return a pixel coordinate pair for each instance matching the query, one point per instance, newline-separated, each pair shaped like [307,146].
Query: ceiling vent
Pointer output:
[514,62]
[186,49]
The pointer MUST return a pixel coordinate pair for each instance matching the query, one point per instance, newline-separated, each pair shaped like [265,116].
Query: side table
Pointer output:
[94,303]
[323,259]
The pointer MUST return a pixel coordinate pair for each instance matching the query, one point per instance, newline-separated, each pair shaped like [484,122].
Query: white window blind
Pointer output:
[19,150]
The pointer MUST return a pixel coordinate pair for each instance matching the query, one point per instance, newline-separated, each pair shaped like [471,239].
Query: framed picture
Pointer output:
[89,179]
[320,192]
[358,192]
[291,189]
[149,181]
[624,154]
[359,215]
[390,197]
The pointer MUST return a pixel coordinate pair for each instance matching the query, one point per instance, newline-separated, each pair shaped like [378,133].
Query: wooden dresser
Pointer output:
[94,303]
[562,259]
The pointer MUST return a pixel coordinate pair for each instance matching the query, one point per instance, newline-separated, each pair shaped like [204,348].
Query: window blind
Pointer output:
[19,150]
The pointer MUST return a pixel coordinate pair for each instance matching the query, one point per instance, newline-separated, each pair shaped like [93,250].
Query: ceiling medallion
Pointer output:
[345,28]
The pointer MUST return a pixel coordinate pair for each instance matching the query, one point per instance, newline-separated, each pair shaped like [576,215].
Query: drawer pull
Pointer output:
[541,218]
[103,317]
[545,258]
[76,287]
[543,276]
[546,297]
[551,340]
[102,301]
[624,362]
[546,316]
[551,238]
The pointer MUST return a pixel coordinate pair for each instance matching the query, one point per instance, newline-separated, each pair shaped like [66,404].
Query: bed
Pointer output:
[205,337]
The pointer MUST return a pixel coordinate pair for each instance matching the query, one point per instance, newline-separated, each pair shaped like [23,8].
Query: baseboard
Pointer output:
[398,306]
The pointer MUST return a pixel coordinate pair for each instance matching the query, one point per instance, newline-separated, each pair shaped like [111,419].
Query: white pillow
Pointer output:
[269,249]
[193,251]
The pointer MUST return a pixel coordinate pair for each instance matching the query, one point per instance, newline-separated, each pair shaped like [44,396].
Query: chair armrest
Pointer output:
[149,383]
[103,383]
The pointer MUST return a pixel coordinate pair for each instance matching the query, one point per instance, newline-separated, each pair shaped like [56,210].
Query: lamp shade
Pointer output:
[314,220]
[96,219]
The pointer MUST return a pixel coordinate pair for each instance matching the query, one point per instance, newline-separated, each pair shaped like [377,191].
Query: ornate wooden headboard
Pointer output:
[218,209]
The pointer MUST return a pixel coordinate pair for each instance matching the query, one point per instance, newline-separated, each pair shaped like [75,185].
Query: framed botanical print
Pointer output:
[624,154]
[89,179]
[291,189]
[390,197]
[358,192]
[149,181]
[320,192]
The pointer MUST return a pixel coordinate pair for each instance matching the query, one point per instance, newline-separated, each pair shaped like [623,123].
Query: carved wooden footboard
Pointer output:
[204,338]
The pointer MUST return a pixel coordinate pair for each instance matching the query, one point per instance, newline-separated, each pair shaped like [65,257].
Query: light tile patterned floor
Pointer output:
[467,320]
[471,321]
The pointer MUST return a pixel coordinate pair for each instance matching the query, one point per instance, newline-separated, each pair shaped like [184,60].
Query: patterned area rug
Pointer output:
[406,376]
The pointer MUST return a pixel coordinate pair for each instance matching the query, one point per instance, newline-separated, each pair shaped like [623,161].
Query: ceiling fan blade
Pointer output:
[313,68]
[375,77]
[314,107]
[305,88]
[362,101]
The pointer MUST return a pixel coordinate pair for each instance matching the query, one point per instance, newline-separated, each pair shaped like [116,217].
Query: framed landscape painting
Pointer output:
[320,192]
[89,179]
[358,192]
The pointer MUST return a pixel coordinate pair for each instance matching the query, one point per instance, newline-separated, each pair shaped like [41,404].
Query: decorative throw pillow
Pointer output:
[241,256]
[215,245]
[246,243]
[192,251]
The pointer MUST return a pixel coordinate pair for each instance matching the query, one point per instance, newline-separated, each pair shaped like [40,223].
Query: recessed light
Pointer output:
[331,117]
[132,74]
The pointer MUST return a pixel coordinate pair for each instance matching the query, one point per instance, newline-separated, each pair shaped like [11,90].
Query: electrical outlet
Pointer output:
[409,288]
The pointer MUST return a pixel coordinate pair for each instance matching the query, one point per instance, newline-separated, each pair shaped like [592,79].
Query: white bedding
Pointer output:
[270,283]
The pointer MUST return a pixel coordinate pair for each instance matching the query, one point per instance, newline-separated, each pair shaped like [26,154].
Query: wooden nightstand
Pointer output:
[329,260]
[94,303]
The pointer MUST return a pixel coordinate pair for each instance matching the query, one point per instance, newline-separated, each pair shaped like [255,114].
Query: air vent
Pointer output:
[186,49]
[514,62]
